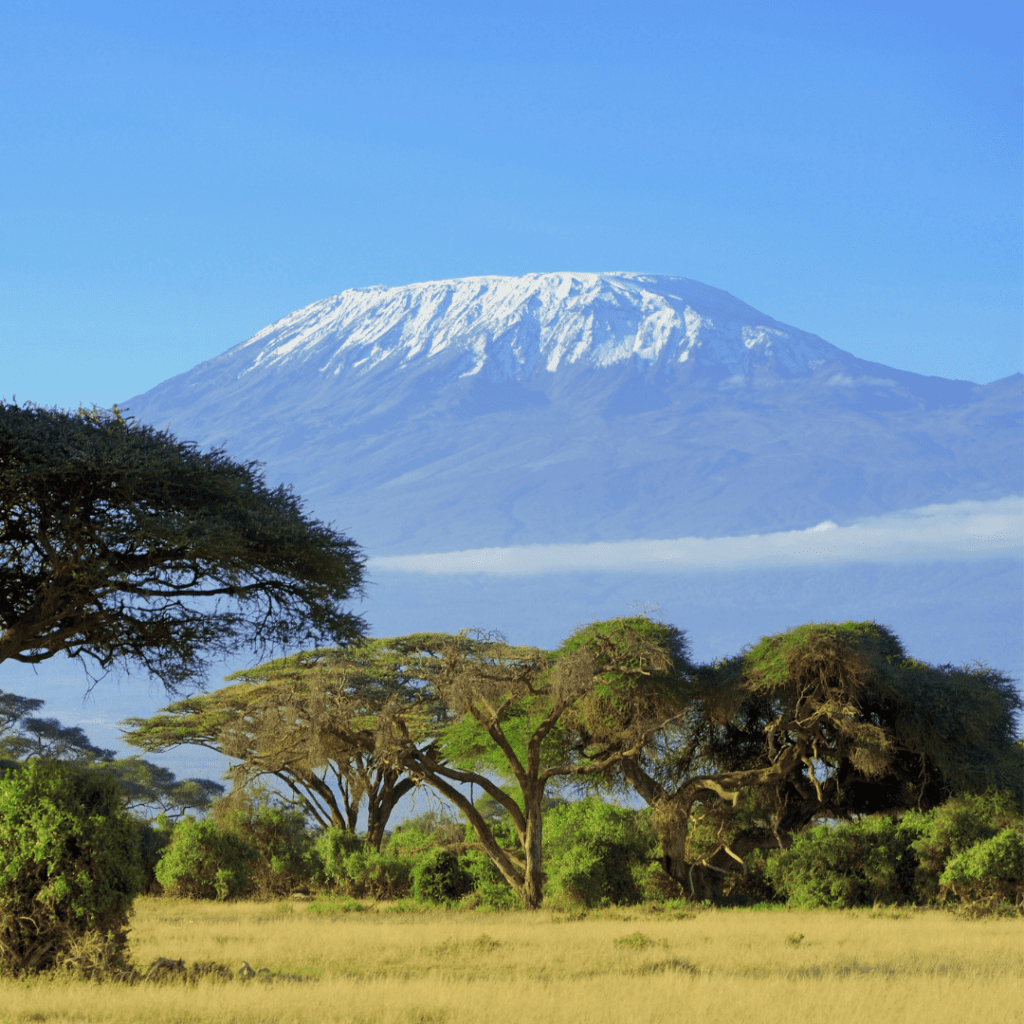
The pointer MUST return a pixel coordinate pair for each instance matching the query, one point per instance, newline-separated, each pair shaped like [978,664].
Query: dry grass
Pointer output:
[620,967]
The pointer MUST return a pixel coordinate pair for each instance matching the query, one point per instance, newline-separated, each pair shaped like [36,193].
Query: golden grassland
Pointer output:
[616,966]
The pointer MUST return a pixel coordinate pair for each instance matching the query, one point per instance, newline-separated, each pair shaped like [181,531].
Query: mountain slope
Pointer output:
[579,407]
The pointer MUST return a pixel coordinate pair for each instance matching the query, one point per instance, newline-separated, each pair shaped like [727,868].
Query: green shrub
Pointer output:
[850,865]
[380,876]
[992,869]
[284,857]
[332,848]
[354,868]
[440,877]
[954,828]
[203,861]
[153,839]
[489,885]
[597,854]
[69,869]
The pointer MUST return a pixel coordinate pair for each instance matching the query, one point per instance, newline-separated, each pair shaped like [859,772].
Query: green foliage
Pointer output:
[491,890]
[429,828]
[952,829]
[380,876]
[203,861]
[440,877]
[279,837]
[638,941]
[153,839]
[357,870]
[332,848]
[992,869]
[850,865]
[69,867]
[595,853]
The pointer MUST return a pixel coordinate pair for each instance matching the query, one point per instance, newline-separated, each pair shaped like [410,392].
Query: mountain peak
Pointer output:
[515,328]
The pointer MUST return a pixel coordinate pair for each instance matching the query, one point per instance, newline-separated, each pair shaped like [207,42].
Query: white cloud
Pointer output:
[963,531]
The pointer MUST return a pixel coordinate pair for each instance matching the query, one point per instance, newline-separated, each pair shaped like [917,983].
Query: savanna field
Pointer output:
[376,965]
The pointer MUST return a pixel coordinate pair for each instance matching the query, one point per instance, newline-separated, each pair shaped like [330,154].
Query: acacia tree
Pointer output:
[520,712]
[822,721]
[142,785]
[303,718]
[106,525]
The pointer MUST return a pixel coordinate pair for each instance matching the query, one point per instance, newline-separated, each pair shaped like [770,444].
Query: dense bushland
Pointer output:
[968,852]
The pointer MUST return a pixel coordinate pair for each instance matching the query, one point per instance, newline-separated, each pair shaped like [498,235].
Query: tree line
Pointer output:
[108,527]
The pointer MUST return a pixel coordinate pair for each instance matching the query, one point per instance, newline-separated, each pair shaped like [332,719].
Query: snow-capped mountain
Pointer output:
[515,328]
[555,408]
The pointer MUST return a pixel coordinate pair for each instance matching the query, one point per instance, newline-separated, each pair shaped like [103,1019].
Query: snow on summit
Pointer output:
[512,327]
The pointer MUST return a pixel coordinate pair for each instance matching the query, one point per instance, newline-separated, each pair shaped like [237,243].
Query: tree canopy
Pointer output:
[304,718]
[106,525]
[822,721]
[144,786]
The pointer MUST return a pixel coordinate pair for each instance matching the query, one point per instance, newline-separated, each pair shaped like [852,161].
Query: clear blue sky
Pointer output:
[175,176]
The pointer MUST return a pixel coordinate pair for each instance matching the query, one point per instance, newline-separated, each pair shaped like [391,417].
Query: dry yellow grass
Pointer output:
[465,968]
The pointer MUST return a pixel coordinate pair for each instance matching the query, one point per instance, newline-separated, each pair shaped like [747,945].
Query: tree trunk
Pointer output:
[533,882]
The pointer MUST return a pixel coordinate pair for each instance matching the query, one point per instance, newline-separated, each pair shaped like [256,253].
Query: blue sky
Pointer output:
[177,176]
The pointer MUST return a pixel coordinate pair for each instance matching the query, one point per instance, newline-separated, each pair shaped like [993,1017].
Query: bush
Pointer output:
[331,849]
[284,849]
[69,869]
[379,876]
[954,828]
[597,854]
[204,861]
[153,840]
[990,870]
[354,868]
[489,885]
[440,877]
[850,865]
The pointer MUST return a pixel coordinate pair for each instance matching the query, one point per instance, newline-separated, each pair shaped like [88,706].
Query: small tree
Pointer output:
[69,869]
[952,830]
[143,785]
[597,853]
[304,719]
[854,864]
[206,862]
[992,870]
[283,860]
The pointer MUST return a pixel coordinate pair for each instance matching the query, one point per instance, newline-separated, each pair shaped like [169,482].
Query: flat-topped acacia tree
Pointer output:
[305,718]
[520,712]
[438,709]
[106,526]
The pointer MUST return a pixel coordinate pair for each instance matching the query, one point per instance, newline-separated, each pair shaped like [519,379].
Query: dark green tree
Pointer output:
[69,869]
[824,721]
[106,526]
[146,789]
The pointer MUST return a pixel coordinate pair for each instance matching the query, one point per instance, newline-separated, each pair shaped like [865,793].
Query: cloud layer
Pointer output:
[958,532]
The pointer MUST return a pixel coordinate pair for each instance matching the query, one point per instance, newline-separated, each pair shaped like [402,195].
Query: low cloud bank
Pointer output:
[966,530]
